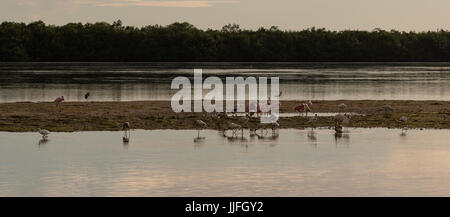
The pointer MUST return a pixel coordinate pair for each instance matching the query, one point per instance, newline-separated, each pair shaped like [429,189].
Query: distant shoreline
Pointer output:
[150,115]
[182,41]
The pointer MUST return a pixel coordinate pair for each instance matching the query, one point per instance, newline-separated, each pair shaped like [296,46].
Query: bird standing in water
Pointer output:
[312,120]
[126,128]
[43,132]
[200,125]
[403,120]
[234,127]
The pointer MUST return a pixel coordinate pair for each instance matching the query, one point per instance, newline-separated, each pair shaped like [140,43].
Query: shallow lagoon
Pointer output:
[361,162]
[144,81]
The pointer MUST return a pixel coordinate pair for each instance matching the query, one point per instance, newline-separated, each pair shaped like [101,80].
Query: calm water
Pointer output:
[149,81]
[363,162]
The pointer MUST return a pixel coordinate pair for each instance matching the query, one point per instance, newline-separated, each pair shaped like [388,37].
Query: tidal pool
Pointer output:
[360,162]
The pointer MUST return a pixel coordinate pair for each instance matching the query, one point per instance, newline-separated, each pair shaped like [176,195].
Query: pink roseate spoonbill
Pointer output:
[200,125]
[59,100]
[304,107]
[86,96]
[312,120]
[43,132]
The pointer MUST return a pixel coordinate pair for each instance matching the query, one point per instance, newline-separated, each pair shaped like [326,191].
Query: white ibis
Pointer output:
[43,132]
[340,120]
[243,121]
[200,124]
[312,120]
[126,128]
[272,123]
[403,120]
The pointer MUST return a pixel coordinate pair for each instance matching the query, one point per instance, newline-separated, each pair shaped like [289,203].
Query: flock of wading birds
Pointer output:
[302,109]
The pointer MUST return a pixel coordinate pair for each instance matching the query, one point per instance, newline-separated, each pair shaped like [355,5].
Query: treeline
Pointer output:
[37,41]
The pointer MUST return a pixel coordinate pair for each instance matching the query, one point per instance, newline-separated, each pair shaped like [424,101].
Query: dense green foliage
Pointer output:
[183,42]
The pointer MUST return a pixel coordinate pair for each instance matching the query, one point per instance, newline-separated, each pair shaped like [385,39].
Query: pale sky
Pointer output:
[417,15]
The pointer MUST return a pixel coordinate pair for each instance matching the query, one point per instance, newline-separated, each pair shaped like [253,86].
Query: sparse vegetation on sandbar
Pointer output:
[101,116]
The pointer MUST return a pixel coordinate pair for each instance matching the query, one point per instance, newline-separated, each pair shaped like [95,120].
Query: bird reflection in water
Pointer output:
[199,142]
[342,137]
[311,136]
[264,135]
[199,139]
[43,141]
[403,133]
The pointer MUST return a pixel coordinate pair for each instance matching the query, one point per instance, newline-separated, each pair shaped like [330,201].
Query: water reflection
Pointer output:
[342,139]
[373,162]
[312,137]
[43,141]
[128,83]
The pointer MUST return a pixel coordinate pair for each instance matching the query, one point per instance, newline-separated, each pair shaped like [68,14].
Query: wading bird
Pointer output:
[43,132]
[312,120]
[126,127]
[243,121]
[403,120]
[341,120]
[272,124]
[59,100]
[338,128]
[86,96]
[304,107]
[234,127]
[200,125]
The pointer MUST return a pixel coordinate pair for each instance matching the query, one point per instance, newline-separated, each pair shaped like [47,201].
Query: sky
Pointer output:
[403,15]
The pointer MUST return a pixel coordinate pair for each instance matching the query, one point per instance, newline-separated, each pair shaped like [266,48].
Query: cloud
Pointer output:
[150,3]
[123,3]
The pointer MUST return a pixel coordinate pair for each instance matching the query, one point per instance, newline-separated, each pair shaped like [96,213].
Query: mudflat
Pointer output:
[109,116]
